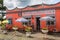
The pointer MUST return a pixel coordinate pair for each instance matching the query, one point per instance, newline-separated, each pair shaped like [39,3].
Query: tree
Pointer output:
[1,1]
[2,7]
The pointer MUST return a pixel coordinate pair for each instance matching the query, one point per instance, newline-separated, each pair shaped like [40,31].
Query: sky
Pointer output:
[44,1]
[11,4]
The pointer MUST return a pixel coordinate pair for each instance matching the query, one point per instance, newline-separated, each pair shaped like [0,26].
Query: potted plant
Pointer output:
[28,31]
[15,28]
[3,25]
[44,30]
[3,28]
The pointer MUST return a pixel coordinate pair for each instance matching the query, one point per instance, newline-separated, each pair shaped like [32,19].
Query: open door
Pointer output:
[38,23]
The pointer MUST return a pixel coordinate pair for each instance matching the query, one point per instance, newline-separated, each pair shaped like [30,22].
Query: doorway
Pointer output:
[38,23]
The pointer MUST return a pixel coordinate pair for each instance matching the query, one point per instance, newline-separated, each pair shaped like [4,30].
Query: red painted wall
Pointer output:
[33,21]
[43,22]
[14,17]
[57,14]
[44,25]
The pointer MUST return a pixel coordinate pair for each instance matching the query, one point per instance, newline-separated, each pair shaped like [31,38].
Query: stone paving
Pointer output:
[22,36]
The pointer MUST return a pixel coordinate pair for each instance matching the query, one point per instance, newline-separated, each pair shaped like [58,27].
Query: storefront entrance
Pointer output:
[38,23]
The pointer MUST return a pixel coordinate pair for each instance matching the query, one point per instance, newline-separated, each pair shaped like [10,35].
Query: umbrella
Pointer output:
[5,21]
[46,18]
[22,20]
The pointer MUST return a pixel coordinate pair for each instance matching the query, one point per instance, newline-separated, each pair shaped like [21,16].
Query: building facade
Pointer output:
[33,14]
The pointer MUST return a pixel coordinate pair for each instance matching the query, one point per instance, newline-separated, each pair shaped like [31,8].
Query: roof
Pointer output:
[39,6]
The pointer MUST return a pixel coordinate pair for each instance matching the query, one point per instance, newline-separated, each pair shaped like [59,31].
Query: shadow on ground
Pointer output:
[54,34]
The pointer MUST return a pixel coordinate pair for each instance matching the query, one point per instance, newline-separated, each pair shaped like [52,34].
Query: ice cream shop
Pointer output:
[40,16]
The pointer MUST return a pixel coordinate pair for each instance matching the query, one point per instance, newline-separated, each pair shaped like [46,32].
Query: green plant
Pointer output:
[45,28]
[3,26]
[28,29]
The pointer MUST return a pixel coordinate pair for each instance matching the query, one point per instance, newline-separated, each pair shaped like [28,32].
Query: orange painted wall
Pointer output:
[14,18]
[43,22]
[57,14]
[33,21]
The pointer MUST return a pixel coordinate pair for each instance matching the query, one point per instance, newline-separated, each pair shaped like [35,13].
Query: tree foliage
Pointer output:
[2,7]
[1,1]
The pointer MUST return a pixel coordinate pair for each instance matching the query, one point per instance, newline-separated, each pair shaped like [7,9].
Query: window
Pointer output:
[10,21]
[29,21]
[51,22]
[25,23]
[48,22]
